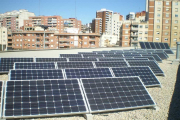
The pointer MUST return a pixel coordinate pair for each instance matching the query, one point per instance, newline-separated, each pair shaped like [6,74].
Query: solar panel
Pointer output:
[147,45]
[152,45]
[62,65]
[87,73]
[169,51]
[161,55]
[131,55]
[50,59]
[35,98]
[82,59]
[162,45]
[111,64]
[166,46]
[142,45]
[127,59]
[111,59]
[35,74]
[110,94]
[156,57]
[1,96]
[145,73]
[148,57]
[157,45]
[88,53]
[29,65]
[117,55]
[70,55]
[94,56]
[152,64]
[7,63]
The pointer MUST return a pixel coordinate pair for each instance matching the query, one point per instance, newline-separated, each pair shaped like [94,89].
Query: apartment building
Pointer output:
[97,25]
[54,23]
[141,16]
[3,38]
[132,32]
[15,19]
[35,40]
[164,21]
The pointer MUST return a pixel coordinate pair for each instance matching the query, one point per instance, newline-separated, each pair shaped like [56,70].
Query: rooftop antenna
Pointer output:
[39,7]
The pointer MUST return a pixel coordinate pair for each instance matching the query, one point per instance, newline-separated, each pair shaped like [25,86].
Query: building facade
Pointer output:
[164,21]
[130,16]
[3,38]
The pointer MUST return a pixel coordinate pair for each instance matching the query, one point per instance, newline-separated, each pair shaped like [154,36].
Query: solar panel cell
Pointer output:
[62,65]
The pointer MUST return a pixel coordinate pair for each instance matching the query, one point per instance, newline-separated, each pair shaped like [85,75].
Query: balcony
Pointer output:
[134,40]
[134,28]
[134,35]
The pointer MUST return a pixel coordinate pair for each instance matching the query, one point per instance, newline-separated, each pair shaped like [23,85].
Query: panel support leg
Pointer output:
[88,116]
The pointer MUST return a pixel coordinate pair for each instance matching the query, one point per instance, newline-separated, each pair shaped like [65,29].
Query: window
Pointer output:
[157,38]
[20,39]
[72,37]
[126,37]
[145,38]
[167,9]
[125,43]
[17,40]
[167,21]
[175,27]
[166,33]
[167,3]
[51,40]
[17,45]
[146,26]
[167,27]
[3,31]
[52,34]
[141,26]
[146,32]
[167,15]
[51,45]
[158,26]
[32,34]
[159,3]
[176,15]
[158,20]
[32,39]
[158,33]
[140,38]
[127,26]
[176,21]
[175,39]
[159,9]
[140,32]
[158,15]
[166,39]
[176,9]
[20,44]
[176,3]
[85,43]
[126,31]
[32,45]
[175,33]
[71,42]
[28,45]
[28,39]
[85,37]
[28,34]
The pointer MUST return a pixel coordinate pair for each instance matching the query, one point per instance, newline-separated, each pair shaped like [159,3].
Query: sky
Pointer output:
[85,9]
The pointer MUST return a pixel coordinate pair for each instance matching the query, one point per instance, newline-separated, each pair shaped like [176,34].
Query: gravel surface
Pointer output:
[162,96]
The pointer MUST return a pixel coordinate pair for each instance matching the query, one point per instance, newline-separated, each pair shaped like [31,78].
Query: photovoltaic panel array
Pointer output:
[82,59]
[148,57]
[154,45]
[35,74]
[109,94]
[62,65]
[1,95]
[50,59]
[127,59]
[131,55]
[87,73]
[156,57]
[111,59]
[7,63]
[169,51]
[34,65]
[120,55]
[111,64]
[145,73]
[161,55]
[43,98]
[70,55]
[94,56]
[152,64]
